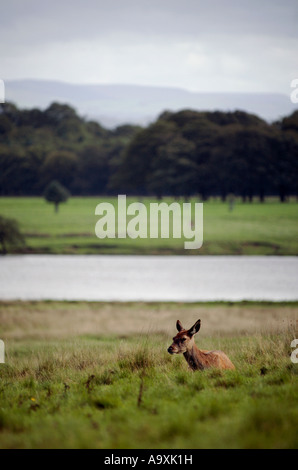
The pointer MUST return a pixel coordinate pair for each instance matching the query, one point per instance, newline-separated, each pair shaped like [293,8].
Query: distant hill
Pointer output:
[113,105]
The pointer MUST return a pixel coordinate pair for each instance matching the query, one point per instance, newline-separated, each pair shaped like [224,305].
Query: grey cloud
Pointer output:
[62,20]
[198,44]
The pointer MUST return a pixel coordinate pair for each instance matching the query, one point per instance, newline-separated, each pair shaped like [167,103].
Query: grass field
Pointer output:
[98,375]
[270,228]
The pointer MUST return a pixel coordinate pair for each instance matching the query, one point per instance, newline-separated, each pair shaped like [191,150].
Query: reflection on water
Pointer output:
[148,278]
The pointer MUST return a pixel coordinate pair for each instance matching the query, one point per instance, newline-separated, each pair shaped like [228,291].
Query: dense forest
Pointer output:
[37,147]
[181,154]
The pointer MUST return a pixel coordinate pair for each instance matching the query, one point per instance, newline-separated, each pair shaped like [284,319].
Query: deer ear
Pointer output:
[178,325]
[195,328]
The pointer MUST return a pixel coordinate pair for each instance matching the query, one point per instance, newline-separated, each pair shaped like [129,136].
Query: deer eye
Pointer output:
[183,339]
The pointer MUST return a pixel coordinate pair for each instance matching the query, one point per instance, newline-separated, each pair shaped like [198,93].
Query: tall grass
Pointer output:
[89,392]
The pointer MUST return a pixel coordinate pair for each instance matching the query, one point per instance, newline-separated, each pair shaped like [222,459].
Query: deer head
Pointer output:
[184,340]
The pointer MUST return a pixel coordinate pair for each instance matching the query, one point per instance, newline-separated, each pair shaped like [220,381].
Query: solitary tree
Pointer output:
[10,234]
[56,193]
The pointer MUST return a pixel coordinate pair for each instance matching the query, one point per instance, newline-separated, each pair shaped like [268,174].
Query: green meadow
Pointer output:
[86,375]
[98,375]
[269,228]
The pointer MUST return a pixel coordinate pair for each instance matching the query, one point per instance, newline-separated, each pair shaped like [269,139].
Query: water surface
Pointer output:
[148,278]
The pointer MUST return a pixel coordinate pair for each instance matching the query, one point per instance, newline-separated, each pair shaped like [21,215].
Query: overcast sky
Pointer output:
[210,45]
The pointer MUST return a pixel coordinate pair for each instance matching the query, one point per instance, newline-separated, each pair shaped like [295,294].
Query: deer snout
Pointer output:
[171,350]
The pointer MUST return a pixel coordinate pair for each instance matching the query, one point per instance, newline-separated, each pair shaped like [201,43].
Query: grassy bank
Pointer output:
[97,375]
[259,229]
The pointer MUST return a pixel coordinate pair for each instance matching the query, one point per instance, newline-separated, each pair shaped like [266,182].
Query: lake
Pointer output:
[148,278]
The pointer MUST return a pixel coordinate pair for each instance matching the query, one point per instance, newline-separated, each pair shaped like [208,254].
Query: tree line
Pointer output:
[37,147]
[181,154]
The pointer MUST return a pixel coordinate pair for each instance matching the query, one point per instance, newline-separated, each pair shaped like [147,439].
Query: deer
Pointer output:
[197,359]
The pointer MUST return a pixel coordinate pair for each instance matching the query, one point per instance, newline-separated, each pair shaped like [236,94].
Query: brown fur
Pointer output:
[196,358]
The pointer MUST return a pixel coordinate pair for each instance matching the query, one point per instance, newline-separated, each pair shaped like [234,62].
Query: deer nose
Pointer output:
[170,350]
